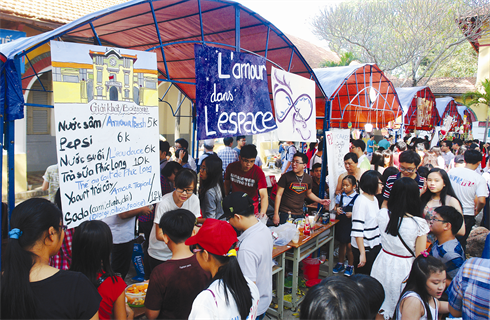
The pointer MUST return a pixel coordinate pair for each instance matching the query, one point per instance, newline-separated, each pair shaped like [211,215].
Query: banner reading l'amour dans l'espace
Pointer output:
[232,95]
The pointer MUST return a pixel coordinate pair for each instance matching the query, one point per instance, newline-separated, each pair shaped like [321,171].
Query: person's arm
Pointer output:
[158,232]
[385,204]
[338,189]
[420,244]
[480,204]
[132,213]
[120,311]
[209,205]
[287,166]
[227,184]
[312,196]
[362,252]
[277,204]
[96,316]
[264,202]
[455,204]
[455,313]
[411,309]
[152,314]
[45,185]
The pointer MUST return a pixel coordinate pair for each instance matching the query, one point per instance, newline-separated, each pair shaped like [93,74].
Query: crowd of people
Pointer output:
[405,215]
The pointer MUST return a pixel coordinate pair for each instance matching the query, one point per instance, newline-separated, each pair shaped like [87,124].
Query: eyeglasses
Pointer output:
[402,169]
[297,162]
[196,250]
[431,220]
[186,191]
[64,227]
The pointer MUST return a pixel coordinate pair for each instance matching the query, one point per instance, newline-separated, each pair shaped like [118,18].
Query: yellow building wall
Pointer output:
[20,173]
[483,59]
[66,92]
[167,120]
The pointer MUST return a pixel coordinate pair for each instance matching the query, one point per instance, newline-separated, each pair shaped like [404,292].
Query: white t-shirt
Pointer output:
[255,259]
[467,184]
[158,249]
[122,229]
[364,223]
[211,303]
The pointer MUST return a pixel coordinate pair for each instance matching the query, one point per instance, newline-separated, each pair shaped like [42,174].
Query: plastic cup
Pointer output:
[332,216]
[312,220]
[295,238]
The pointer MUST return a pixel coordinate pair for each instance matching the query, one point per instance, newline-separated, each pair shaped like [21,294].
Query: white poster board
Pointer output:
[107,137]
[337,141]
[294,106]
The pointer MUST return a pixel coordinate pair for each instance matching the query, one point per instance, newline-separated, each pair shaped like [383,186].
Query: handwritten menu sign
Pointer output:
[107,139]
[232,95]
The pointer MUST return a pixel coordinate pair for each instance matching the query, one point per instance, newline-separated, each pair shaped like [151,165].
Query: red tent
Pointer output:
[419,107]
[448,106]
[359,94]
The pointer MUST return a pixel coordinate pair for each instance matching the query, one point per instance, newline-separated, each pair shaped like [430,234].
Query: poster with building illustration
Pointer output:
[107,137]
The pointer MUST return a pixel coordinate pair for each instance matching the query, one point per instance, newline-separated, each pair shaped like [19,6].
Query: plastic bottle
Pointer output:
[307,230]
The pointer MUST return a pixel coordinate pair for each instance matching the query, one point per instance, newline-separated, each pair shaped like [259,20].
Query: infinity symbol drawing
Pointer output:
[301,108]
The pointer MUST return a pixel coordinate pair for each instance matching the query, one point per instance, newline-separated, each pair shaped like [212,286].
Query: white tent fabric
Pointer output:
[461,110]
[406,96]
[331,78]
[441,104]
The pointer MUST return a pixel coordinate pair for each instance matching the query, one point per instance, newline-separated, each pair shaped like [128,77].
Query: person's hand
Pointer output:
[325,202]
[276,219]
[348,214]
[145,210]
[362,260]
[339,210]
[129,312]
[181,154]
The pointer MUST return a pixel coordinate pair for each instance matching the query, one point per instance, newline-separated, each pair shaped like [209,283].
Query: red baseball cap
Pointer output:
[215,236]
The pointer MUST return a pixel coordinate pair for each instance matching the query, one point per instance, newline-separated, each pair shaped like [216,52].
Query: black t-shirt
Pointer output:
[66,295]
[295,191]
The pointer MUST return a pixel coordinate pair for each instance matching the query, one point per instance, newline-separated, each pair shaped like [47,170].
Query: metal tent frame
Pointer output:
[168,27]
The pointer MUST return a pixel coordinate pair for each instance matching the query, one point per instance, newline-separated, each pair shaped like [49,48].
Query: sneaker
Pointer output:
[349,270]
[339,267]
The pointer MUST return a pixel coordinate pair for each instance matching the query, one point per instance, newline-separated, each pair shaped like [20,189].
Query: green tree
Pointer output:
[345,59]
[483,96]
[411,39]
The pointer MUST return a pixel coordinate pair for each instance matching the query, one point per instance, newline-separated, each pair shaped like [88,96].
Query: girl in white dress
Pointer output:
[403,237]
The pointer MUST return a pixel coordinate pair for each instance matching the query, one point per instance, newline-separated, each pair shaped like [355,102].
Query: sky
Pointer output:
[291,16]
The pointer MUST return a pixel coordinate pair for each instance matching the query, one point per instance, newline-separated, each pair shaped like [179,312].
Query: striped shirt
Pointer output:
[469,291]
[227,156]
[364,223]
[391,180]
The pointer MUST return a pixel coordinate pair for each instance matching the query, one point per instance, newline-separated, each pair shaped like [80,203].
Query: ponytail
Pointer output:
[232,278]
[32,218]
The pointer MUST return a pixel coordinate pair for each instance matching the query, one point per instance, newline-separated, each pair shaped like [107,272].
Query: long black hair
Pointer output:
[377,160]
[404,198]
[422,268]
[92,246]
[446,191]
[33,218]
[232,278]
[214,172]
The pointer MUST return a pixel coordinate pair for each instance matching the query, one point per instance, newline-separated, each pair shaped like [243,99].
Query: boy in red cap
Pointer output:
[255,245]
[231,295]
